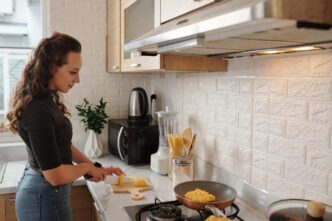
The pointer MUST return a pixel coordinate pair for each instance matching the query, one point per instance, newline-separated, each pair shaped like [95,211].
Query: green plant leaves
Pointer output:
[93,117]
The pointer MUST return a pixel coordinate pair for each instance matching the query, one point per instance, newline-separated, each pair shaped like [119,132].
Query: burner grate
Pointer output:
[166,210]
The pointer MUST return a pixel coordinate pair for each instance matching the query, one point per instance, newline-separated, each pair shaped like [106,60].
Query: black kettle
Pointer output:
[138,107]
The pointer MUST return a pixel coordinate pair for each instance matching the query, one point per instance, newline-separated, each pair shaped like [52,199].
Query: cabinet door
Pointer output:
[174,8]
[2,208]
[10,207]
[81,203]
[148,19]
[113,35]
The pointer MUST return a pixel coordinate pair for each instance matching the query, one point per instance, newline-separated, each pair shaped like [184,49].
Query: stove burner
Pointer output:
[166,212]
[170,211]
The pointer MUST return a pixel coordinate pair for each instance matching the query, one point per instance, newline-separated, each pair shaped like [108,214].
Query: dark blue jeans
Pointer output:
[38,200]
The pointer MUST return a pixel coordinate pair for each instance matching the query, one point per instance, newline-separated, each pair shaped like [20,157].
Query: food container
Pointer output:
[294,210]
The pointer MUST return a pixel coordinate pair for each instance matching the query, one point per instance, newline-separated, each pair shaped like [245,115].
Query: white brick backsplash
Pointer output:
[217,99]
[287,149]
[190,109]
[244,155]
[207,84]
[246,86]
[322,160]
[241,67]
[233,134]
[239,168]
[260,141]
[259,177]
[228,85]
[308,132]
[245,121]
[216,130]
[284,188]
[320,112]
[288,108]
[312,179]
[207,112]
[285,66]
[314,88]
[240,103]
[269,125]
[198,97]
[261,105]
[270,164]
[321,64]
[190,83]
[227,116]
[225,147]
[270,87]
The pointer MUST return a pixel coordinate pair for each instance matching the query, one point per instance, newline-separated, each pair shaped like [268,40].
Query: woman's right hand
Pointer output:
[98,174]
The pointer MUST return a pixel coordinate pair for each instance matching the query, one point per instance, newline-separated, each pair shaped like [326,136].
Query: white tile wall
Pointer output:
[268,119]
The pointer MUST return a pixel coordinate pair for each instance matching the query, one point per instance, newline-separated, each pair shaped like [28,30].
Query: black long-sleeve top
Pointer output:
[47,132]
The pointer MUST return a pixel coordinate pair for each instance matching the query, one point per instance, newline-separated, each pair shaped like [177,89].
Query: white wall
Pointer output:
[268,119]
[86,21]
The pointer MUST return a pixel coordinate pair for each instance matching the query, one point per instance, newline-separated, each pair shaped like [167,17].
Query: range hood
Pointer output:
[234,28]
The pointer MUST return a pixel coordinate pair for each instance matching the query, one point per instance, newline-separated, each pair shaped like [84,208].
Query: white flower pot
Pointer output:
[93,147]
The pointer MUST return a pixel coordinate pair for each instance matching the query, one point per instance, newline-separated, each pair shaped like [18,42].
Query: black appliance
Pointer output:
[174,210]
[132,144]
[138,107]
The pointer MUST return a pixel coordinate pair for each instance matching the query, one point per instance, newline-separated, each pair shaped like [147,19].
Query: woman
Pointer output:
[40,118]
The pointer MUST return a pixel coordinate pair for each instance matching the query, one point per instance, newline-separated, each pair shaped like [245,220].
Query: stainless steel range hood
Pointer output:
[234,28]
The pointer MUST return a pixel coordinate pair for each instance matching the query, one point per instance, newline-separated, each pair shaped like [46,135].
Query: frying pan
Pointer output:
[224,194]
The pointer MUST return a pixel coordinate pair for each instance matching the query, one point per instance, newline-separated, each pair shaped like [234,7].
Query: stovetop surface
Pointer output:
[187,213]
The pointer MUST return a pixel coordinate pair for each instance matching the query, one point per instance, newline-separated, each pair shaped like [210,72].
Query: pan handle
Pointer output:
[217,212]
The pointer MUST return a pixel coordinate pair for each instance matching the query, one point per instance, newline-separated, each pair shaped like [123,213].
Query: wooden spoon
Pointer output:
[192,142]
[187,136]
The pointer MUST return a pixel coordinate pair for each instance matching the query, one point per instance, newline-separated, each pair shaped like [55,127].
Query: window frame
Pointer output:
[6,54]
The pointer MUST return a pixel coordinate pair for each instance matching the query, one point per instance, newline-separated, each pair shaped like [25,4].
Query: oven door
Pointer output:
[118,140]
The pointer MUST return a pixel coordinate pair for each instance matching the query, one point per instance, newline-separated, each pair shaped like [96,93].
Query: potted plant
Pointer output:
[93,118]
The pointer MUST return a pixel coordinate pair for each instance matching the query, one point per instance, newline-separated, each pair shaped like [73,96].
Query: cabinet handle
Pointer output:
[11,199]
[197,0]
[135,65]
[182,21]
[115,67]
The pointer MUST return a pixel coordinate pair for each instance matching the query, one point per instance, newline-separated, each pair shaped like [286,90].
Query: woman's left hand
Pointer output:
[114,171]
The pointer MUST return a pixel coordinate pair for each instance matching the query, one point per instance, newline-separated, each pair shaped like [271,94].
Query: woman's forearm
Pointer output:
[66,173]
[79,157]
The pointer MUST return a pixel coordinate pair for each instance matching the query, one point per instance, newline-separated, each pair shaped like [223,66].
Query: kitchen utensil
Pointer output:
[138,107]
[187,136]
[118,179]
[224,194]
[135,192]
[192,142]
[167,124]
[294,209]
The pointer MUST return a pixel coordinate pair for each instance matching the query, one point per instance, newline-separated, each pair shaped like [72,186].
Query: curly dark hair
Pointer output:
[50,54]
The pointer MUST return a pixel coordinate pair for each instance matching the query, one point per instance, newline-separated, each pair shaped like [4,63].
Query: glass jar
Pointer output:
[182,169]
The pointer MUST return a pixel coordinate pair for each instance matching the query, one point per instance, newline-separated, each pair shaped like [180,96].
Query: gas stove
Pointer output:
[174,211]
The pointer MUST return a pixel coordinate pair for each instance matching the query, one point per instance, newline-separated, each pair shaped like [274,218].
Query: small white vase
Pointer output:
[93,147]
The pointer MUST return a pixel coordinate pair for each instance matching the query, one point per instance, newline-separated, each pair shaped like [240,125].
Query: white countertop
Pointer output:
[111,205]
[13,174]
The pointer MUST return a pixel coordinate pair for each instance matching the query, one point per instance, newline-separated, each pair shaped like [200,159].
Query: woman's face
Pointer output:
[67,75]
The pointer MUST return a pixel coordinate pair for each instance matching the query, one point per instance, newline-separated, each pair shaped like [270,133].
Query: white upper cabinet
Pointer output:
[173,8]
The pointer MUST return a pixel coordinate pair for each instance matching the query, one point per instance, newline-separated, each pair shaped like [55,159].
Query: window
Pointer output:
[12,62]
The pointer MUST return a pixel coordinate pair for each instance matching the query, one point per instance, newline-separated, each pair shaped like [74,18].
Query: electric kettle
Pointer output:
[138,107]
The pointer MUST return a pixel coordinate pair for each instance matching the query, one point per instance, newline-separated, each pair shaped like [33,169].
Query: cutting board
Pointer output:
[135,192]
